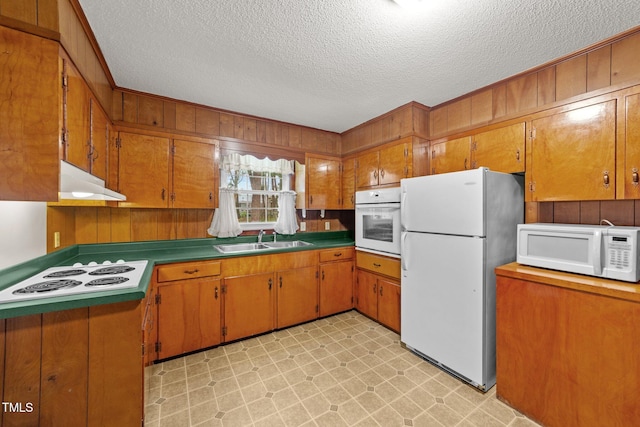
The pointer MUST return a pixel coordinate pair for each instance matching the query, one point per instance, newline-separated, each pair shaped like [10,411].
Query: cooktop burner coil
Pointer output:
[51,285]
[114,269]
[107,281]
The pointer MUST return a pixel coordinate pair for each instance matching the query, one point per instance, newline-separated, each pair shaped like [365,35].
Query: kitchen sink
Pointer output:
[254,247]
[240,247]
[290,244]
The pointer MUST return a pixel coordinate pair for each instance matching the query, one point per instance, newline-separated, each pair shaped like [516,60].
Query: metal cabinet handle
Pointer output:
[375,174]
[605,178]
[376,265]
[270,283]
[634,176]
[280,281]
[374,288]
[352,201]
[518,155]
[210,195]
[322,274]
[337,254]
[164,191]
[191,271]
[380,290]
[310,199]
[465,164]
[382,173]
[216,294]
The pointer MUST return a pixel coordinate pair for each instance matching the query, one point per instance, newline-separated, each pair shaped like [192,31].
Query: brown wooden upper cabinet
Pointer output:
[450,156]
[323,182]
[384,166]
[630,185]
[160,172]
[349,183]
[86,127]
[573,154]
[30,94]
[501,150]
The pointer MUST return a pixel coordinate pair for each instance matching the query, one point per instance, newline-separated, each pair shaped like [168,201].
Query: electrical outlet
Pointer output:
[56,239]
[303,226]
[327,225]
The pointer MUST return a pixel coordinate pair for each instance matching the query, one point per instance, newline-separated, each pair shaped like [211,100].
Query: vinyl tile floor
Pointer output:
[344,370]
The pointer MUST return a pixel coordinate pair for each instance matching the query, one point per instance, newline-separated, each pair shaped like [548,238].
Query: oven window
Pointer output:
[378,227]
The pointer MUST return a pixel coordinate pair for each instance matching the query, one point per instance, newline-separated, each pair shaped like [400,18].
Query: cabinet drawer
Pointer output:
[188,270]
[378,264]
[337,254]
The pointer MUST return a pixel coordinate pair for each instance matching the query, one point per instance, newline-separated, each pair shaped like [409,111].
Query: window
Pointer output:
[257,184]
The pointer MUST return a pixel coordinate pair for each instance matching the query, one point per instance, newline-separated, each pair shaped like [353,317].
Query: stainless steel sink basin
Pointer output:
[240,247]
[253,247]
[290,244]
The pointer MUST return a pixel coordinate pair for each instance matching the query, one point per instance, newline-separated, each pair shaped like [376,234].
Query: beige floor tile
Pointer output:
[342,370]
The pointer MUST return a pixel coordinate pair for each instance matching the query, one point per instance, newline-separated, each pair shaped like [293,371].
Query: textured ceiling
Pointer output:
[333,64]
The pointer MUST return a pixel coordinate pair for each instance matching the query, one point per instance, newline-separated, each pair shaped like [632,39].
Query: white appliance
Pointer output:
[378,221]
[77,184]
[457,227]
[76,279]
[597,250]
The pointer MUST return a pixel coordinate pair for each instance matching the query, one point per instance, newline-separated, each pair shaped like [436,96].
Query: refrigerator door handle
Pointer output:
[403,211]
[403,253]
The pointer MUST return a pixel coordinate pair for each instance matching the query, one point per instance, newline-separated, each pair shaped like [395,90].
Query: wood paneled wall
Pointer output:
[85,224]
[411,119]
[618,212]
[611,63]
[80,224]
[166,114]
[36,16]
[77,39]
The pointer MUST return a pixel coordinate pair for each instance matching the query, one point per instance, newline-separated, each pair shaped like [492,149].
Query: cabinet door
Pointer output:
[367,170]
[248,305]
[297,296]
[501,150]
[188,316]
[101,131]
[336,287]
[367,293]
[77,119]
[323,183]
[393,165]
[29,117]
[631,169]
[194,174]
[143,170]
[389,304]
[450,156]
[348,184]
[573,154]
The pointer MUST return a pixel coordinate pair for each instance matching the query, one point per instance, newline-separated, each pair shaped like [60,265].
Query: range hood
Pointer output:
[76,184]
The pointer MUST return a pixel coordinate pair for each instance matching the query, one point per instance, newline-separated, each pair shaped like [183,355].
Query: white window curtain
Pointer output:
[287,222]
[247,162]
[225,219]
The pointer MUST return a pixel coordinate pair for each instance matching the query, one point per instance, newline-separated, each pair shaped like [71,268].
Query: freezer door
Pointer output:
[450,203]
[443,302]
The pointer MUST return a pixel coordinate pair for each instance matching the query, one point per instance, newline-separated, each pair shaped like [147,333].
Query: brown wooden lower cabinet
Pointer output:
[378,288]
[297,299]
[567,347]
[336,281]
[77,367]
[248,305]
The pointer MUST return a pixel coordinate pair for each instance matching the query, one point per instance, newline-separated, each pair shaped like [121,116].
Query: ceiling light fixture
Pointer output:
[407,4]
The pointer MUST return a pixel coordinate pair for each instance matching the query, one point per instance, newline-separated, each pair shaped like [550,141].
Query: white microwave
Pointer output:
[603,251]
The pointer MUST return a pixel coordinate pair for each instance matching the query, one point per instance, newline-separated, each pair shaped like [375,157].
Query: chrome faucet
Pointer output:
[260,234]
[274,235]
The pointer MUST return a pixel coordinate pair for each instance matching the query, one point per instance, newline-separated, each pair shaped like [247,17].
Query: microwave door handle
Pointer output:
[597,252]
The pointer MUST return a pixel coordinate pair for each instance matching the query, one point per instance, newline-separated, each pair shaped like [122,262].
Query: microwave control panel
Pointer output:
[619,252]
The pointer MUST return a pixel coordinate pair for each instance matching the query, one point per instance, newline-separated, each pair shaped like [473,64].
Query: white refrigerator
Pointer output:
[457,227]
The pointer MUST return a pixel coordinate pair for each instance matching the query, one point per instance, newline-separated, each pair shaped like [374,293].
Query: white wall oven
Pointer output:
[378,221]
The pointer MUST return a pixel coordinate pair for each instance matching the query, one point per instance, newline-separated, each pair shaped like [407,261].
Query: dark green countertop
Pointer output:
[156,252]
